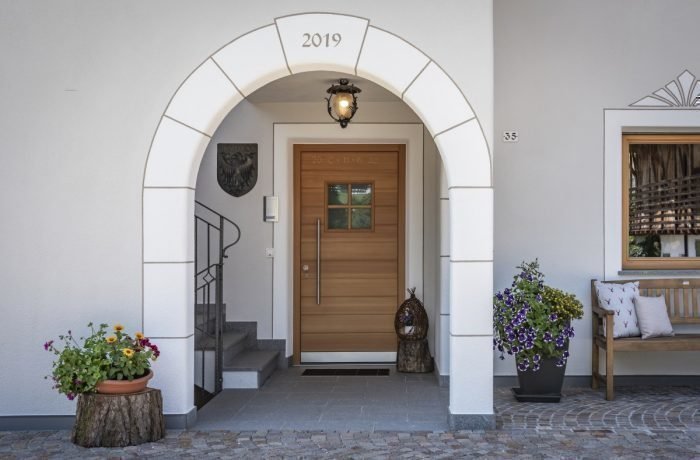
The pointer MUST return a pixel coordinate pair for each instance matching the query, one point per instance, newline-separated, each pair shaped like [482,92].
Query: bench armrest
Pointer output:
[602,312]
[608,317]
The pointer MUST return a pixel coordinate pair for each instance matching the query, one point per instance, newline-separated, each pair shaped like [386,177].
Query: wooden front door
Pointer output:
[349,247]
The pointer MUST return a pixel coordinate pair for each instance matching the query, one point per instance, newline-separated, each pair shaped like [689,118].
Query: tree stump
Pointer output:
[414,356]
[105,420]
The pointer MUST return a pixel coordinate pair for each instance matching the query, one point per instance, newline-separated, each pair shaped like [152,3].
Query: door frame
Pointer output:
[298,148]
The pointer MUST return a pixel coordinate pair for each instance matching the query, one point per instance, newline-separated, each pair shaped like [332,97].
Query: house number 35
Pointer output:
[322,40]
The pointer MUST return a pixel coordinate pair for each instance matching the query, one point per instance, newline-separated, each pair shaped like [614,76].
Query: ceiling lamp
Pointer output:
[342,102]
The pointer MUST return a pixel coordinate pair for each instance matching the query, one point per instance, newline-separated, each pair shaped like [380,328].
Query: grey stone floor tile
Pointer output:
[383,411]
[422,404]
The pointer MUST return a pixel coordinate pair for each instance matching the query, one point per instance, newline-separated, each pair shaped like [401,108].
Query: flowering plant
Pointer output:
[532,320]
[406,317]
[79,368]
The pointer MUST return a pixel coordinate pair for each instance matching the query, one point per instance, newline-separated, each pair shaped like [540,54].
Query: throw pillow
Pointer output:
[653,317]
[620,299]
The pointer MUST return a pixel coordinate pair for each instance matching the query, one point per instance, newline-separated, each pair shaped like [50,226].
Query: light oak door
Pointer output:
[349,249]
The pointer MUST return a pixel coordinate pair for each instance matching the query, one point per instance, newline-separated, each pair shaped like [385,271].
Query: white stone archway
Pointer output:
[235,71]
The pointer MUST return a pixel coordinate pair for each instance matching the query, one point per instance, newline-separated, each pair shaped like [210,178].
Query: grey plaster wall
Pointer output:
[558,64]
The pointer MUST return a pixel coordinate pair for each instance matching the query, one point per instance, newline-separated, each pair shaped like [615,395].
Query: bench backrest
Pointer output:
[682,296]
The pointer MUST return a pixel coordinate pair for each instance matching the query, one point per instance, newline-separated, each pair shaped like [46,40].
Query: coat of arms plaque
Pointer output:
[237,168]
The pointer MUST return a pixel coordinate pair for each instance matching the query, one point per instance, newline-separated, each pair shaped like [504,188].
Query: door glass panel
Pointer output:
[362,218]
[338,218]
[337,194]
[361,194]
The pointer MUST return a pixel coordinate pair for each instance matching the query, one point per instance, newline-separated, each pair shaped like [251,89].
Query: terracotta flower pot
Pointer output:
[123,387]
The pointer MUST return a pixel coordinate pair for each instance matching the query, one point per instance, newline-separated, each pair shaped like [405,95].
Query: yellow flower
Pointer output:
[118,327]
[128,352]
[111,339]
[139,335]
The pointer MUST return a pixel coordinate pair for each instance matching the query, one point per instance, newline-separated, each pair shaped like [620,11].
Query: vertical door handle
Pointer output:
[318,261]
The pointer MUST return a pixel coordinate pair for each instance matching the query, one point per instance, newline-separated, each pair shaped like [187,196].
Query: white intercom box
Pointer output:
[271,209]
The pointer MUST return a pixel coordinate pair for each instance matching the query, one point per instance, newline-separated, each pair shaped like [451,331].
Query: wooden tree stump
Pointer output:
[414,356]
[104,420]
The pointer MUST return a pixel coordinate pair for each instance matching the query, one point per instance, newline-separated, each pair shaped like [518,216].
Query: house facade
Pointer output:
[487,133]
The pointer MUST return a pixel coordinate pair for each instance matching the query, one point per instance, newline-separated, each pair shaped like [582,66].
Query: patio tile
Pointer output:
[418,403]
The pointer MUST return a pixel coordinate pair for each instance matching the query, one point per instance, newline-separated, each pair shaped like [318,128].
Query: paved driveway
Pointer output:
[366,417]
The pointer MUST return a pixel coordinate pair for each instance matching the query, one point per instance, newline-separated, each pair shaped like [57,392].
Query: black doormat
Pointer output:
[345,371]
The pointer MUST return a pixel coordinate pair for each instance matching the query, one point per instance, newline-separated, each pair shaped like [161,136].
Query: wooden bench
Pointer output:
[683,308]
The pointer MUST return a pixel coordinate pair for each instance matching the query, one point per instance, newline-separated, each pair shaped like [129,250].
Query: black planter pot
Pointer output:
[543,385]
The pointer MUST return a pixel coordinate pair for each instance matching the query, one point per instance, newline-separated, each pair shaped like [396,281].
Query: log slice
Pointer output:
[414,356]
[109,420]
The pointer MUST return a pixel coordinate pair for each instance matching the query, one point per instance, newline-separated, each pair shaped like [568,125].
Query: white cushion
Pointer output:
[653,316]
[620,299]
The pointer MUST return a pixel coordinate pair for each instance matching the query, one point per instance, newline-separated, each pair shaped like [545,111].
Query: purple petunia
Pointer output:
[559,342]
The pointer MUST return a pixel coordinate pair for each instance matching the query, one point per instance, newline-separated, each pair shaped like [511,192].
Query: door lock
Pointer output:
[305,268]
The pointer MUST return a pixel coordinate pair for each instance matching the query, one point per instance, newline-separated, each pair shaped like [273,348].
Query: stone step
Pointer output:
[249,368]
[233,342]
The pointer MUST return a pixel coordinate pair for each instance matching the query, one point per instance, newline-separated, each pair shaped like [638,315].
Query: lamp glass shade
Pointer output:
[342,105]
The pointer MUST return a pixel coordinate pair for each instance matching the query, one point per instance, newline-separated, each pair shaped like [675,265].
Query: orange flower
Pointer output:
[118,327]
[139,336]
[111,339]
[128,352]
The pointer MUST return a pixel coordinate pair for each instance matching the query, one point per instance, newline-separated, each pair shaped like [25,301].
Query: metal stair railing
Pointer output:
[209,318]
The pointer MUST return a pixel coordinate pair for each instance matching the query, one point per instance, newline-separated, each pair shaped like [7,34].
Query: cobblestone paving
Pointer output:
[592,444]
[634,408]
[654,422]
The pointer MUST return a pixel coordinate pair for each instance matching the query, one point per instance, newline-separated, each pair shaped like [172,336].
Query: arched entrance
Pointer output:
[351,45]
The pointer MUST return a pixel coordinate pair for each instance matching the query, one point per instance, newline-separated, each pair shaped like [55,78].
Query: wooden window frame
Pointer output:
[649,263]
[348,206]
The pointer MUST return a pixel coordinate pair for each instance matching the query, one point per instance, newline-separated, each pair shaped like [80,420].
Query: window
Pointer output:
[661,201]
[349,206]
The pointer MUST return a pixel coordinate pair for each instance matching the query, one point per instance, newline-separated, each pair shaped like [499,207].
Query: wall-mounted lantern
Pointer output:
[342,102]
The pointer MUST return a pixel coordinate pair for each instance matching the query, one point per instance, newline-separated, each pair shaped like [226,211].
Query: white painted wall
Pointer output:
[254,288]
[83,87]
[85,83]
[442,268]
[558,65]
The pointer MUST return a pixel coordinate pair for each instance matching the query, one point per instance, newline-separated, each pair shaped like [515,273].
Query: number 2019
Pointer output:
[322,40]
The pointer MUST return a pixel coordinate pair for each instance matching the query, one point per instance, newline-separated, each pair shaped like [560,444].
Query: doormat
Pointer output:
[359,372]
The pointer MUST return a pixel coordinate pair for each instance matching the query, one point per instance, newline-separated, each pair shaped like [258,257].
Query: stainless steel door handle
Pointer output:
[318,261]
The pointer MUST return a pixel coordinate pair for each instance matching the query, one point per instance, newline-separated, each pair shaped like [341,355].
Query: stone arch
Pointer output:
[232,73]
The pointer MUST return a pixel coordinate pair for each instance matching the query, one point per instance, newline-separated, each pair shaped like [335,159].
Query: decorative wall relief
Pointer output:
[684,91]
[237,168]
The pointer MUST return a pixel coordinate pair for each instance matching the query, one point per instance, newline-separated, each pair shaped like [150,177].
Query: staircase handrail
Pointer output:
[222,219]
